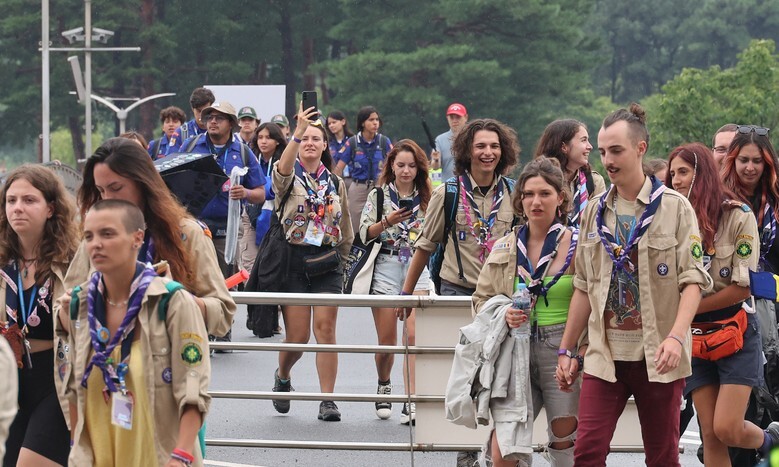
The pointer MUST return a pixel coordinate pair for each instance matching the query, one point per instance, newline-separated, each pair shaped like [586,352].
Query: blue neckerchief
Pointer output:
[767,231]
[147,250]
[620,256]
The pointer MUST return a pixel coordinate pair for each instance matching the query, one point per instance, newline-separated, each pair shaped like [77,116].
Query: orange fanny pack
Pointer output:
[719,339]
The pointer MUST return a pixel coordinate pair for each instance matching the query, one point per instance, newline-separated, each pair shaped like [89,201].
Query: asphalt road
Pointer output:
[248,419]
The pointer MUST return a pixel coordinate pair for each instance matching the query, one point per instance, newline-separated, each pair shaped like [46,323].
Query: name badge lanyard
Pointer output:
[405,240]
[481,229]
[29,316]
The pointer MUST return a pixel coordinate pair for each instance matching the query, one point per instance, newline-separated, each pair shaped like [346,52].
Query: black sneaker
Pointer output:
[226,338]
[281,406]
[328,412]
[384,409]
[408,414]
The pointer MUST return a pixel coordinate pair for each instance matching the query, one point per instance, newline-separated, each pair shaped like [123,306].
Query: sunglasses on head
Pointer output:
[747,129]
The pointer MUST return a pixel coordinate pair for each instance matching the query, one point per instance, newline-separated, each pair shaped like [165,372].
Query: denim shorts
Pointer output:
[389,274]
[546,393]
[744,367]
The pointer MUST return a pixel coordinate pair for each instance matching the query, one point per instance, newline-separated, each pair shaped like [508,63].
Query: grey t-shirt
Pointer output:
[443,143]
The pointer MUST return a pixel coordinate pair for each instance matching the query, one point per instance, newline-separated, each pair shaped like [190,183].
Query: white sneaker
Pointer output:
[384,409]
[408,414]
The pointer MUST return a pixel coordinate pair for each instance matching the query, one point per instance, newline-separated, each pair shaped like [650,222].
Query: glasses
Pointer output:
[747,129]
[218,117]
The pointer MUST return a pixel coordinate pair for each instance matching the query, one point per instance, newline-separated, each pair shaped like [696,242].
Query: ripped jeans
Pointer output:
[546,393]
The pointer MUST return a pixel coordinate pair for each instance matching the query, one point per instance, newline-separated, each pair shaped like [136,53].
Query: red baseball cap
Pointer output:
[456,109]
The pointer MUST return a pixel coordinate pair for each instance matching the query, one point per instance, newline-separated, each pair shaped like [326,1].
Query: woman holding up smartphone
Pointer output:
[312,207]
[403,194]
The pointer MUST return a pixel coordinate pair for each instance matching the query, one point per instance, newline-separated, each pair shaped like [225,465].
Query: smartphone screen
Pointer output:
[406,204]
[309,100]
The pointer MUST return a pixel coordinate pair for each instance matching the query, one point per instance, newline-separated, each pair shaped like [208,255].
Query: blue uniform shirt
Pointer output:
[161,150]
[365,159]
[176,140]
[217,208]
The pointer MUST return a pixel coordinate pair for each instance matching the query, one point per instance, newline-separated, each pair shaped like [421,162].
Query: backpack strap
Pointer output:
[74,305]
[379,202]
[590,182]
[334,180]
[451,200]
[162,307]
[192,143]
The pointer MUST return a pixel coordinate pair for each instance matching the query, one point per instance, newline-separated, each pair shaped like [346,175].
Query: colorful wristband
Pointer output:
[183,456]
[296,139]
[565,352]
[404,293]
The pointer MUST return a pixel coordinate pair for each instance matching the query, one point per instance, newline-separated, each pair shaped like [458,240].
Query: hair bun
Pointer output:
[638,111]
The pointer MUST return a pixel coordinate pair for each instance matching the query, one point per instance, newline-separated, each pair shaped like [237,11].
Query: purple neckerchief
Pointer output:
[147,250]
[103,352]
[768,231]
[580,197]
[621,256]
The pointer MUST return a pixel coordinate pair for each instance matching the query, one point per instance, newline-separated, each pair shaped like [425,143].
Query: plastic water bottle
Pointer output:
[521,301]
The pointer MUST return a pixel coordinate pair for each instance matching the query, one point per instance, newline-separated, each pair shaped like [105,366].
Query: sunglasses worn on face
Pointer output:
[218,118]
[747,129]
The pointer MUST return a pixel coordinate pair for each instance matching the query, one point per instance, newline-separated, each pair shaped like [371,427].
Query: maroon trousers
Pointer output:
[601,403]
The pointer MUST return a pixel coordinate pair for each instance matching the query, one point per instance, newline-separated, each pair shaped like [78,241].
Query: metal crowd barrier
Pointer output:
[438,320]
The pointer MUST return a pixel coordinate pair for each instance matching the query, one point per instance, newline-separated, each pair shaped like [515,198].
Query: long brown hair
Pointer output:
[162,212]
[768,186]
[421,181]
[60,232]
[549,169]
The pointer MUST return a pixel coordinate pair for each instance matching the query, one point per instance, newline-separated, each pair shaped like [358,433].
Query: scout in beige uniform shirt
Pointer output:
[470,250]
[176,363]
[736,248]
[668,258]
[296,215]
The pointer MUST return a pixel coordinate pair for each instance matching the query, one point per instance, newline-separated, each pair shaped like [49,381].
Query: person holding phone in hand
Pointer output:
[402,197]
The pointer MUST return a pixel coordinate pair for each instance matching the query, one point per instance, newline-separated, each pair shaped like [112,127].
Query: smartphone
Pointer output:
[406,204]
[309,100]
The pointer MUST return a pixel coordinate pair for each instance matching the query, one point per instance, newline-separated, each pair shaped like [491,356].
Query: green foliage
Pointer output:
[696,103]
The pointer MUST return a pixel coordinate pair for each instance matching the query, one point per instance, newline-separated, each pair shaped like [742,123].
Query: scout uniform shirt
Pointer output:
[209,283]
[668,258]
[470,250]
[736,248]
[297,214]
[177,369]
[389,237]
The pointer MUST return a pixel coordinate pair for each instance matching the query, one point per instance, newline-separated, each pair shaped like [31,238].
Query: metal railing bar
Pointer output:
[387,301]
[367,349]
[342,446]
[321,396]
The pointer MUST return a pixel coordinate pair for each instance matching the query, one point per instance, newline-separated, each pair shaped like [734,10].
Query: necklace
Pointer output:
[117,304]
[26,263]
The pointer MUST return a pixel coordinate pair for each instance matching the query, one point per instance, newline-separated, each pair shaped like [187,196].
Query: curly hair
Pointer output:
[549,169]
[509,145]
[162,212]
[60,237]
[421,181]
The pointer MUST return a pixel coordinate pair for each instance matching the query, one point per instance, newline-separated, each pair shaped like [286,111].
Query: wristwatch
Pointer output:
[565,352]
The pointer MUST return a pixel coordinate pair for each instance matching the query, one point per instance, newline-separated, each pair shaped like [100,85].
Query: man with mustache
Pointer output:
[639,243]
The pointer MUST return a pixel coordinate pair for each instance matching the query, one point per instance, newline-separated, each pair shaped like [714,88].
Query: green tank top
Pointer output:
[559,297]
